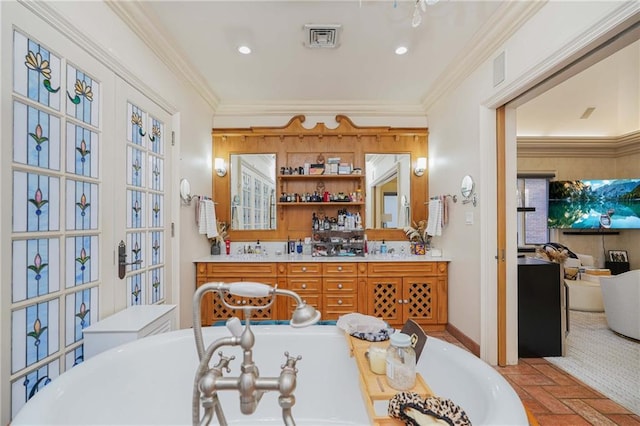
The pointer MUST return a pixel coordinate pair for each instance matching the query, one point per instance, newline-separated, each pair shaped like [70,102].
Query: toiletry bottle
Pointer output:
[299,247]
[258,248]
[401,362]
[383,247]
[227,244]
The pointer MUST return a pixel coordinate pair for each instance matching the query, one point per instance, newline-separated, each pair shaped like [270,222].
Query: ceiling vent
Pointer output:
[322,36]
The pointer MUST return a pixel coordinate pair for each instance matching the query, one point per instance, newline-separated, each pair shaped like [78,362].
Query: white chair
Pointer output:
[584,293]
[621,298]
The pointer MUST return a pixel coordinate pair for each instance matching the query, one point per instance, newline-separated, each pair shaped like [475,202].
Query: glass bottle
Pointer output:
[401,362]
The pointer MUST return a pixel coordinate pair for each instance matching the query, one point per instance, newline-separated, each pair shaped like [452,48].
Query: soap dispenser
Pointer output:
[383,247]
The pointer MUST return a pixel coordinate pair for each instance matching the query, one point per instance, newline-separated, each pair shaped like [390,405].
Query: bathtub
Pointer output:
[149,382]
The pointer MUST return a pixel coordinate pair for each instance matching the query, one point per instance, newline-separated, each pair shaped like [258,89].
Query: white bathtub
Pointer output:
[150,382]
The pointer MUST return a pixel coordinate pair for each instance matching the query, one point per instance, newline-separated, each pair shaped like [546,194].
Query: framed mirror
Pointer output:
[466,187]
[253,191]
[388,190]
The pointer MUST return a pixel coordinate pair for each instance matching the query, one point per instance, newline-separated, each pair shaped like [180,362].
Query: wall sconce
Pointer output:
[221,169]
[421,166]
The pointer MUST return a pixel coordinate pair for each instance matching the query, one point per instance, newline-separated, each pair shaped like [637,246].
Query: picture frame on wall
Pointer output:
[618,256]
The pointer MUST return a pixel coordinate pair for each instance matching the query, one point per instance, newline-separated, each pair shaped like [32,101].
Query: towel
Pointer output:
[445,210]
[207,223]
[434,223]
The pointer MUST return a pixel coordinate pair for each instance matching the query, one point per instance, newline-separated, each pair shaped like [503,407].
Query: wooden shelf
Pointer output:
[320,177]
[374,387]
[321,203]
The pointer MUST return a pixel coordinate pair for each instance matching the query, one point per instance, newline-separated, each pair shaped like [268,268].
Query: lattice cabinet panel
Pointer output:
[383,295]
[419,299]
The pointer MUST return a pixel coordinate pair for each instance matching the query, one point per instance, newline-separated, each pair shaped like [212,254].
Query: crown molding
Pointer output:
[318,108]
[509,17]
[580,147]
[143,22]
[47,12]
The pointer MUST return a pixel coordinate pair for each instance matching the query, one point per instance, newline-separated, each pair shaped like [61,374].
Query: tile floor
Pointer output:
[554,398]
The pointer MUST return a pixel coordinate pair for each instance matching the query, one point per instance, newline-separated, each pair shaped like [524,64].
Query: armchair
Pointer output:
[621,298]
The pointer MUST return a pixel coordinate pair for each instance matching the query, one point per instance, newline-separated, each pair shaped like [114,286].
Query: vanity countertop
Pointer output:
[241,258]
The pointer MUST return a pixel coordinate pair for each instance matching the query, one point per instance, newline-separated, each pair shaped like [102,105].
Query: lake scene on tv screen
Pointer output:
[594,204]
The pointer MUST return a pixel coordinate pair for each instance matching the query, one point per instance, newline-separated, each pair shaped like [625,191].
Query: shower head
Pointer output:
[304,315]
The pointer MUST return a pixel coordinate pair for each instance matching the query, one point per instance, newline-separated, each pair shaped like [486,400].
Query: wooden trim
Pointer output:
[468,343]
[501,233]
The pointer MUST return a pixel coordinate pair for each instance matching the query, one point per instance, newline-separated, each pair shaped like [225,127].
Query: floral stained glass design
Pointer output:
[82,254]
[136,255]
[135,207]
[156,136]
[82,208]
[156,203]
[82,310]
[36,137]
[36,71]
[156,173]
[36,268]
[27,386]
[35,202]
[155,244]
[137,125]
[83,96]
[74,357]
[34,333]
[82,151]
[156,277]
[137,291]
[136,167]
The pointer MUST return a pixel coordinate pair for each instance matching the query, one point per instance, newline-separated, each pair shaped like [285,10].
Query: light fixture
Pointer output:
[245,50]
[401,50]
[421,166]
[220,167]
[416,19]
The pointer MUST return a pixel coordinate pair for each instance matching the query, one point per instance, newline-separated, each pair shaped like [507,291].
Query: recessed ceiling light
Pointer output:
[401,50]
[245,50]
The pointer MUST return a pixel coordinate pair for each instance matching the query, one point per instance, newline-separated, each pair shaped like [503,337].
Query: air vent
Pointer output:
[322,36]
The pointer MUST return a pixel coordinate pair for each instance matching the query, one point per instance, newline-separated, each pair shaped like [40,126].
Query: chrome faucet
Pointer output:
[249,384]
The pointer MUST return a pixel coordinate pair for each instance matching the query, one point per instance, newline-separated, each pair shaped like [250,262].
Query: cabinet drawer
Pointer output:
[335,306]
[305,284]
[304,269]
[242,270]
[314,300]
[339,269]
[401,269]
[340,284]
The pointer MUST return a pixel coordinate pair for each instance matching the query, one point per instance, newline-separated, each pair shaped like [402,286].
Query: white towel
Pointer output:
[434,223]
[208,223]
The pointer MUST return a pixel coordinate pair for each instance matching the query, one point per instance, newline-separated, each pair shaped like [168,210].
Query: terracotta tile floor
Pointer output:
[554,398]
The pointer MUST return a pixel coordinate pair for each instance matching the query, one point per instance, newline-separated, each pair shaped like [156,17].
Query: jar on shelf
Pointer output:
[401,362]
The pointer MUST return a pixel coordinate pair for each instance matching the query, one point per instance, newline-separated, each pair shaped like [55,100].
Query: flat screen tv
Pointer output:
[594,204]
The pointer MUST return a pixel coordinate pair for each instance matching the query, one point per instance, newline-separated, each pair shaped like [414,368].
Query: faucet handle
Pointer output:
[224,362]
[291,362]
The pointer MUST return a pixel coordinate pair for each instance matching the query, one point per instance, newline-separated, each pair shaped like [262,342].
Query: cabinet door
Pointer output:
[419,299]
[383,297]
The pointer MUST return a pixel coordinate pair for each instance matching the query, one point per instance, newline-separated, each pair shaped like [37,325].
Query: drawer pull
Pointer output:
[339,285]
[399,301]
[406,301]
[303,286]
[339,301]
[339,268]
[304,269]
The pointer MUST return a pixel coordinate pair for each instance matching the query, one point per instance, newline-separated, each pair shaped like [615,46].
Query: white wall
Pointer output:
[462,141]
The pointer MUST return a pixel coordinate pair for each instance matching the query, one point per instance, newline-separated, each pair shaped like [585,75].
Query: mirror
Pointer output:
[185,191]
[466,187]
[388,186]
[253,191]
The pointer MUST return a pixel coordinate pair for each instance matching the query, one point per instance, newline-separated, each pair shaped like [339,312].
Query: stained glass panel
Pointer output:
[25,387]
[74,357]
[137,125]
[135,207]
[82,151]
[135,243]
[156,136]
[156,172]
[36,137]
[36,268]
[36,71]
[81,265]
[36,201]
[83,96]
[156,248]
[35,333]
[135,167]
[82,311]
[156,211]
[137,290]
[82,205]
[156,285]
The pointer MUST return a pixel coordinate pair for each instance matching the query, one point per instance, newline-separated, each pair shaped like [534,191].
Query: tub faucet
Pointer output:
[249,384]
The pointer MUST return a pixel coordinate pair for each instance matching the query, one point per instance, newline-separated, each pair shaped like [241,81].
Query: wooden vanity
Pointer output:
[395,290]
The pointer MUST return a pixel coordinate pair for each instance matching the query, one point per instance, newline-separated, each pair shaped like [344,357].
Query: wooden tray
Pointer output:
[375,390]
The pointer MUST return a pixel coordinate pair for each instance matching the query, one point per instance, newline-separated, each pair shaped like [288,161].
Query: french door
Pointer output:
[88,167]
